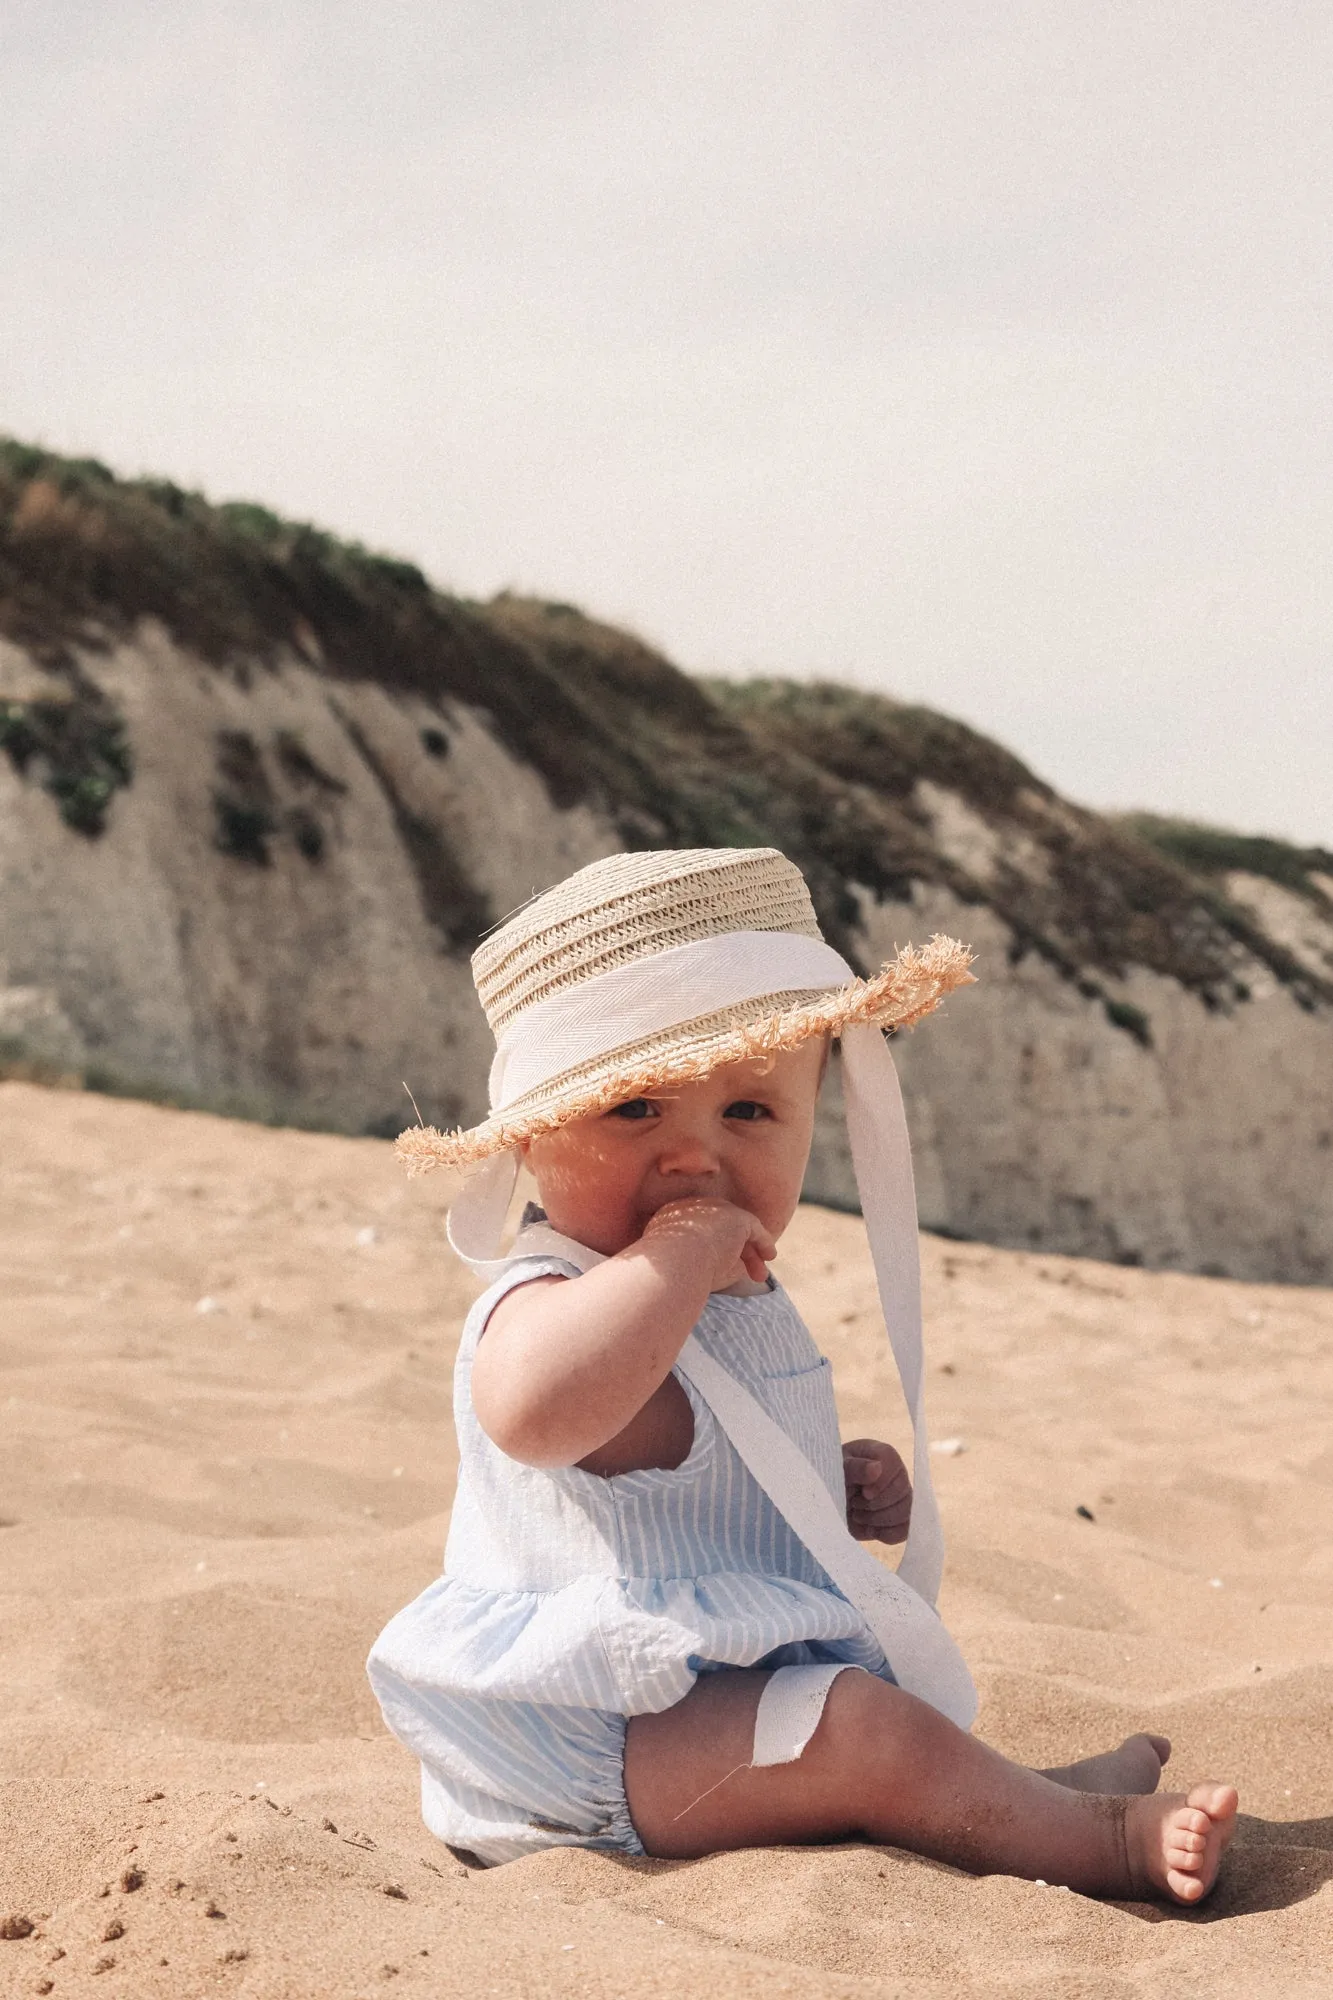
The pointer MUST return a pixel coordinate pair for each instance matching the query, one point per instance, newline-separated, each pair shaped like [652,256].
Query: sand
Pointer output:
[226,1456]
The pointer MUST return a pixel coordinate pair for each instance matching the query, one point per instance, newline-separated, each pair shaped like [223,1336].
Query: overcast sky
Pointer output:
[976,353]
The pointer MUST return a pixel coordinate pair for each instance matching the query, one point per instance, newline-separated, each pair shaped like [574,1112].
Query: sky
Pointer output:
[977,354]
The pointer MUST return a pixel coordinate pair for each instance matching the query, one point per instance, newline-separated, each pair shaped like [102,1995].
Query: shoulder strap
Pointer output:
[925,1659]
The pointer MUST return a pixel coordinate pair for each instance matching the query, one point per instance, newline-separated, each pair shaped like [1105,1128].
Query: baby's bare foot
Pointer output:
[1135,1768]
[1175,1845]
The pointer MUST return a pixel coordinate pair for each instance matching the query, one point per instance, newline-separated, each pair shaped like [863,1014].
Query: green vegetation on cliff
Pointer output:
[830,774]
[1213,852]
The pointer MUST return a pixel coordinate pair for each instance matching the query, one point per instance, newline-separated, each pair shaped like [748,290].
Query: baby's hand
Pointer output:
[725,1242]
[879,1492]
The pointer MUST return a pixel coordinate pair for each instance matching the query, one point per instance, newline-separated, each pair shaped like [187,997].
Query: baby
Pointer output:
[656,1632]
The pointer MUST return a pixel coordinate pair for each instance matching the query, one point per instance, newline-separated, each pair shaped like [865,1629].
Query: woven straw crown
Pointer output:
[631,907]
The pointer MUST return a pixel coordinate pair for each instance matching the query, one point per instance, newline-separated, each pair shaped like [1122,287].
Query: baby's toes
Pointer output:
[1198,1834]
[1180,1842]
[1186,1846]
[1215,1806]
[1186,1886]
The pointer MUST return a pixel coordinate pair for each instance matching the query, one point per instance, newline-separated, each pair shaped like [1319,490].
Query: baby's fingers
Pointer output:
[759,1250]
[880,1524]
[766,1245]
[894,1506]
[755,1265]
[874,1470]
[879,1491]
[861,1531]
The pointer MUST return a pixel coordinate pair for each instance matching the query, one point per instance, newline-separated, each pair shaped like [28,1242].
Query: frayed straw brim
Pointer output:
[908,988]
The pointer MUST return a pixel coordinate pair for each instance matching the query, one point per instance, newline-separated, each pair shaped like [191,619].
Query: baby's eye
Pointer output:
[747,1110]
[635,1107]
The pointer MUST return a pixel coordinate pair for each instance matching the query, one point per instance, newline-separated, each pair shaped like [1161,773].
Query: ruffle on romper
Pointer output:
[631,1644]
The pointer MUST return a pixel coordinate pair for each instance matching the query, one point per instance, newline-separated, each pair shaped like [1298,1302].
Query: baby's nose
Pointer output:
[688,1156]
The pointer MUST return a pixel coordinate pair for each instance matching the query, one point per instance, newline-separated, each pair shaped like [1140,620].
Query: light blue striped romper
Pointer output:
[570,1602]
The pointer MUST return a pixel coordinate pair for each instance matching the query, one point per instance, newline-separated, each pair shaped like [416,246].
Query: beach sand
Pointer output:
[226,1456]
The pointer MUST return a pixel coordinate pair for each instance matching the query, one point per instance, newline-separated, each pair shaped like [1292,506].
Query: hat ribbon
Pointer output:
[613,1009]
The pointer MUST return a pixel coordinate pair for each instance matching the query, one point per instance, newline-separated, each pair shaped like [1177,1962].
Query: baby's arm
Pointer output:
[566,1363]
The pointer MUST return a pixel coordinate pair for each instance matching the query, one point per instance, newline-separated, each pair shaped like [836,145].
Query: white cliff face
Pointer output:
[1288,918]
[1132,1122]
[277,919]
[1038,1123]
[307,988]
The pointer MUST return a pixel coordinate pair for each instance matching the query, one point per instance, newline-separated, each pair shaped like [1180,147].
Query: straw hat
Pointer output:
[644,971]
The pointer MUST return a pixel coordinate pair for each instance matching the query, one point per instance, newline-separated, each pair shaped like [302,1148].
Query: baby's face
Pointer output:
[741,1134]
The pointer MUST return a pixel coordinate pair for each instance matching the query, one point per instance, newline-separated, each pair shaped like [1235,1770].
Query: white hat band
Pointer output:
[687,982]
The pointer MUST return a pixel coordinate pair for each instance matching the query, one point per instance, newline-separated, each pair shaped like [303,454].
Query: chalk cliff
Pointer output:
[260,792]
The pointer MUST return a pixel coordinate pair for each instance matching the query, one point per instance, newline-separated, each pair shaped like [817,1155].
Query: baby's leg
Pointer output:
[883,1765]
